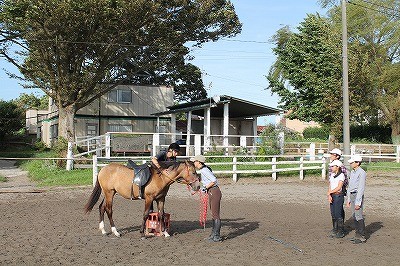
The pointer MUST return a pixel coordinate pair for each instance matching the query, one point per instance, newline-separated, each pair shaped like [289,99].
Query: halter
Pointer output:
[188,173]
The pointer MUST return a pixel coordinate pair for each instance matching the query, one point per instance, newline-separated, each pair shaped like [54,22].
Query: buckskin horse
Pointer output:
[116,178]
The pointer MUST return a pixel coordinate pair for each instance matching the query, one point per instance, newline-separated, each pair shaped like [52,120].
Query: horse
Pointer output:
[116,178]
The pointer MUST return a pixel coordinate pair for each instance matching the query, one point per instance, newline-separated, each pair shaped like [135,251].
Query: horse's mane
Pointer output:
[168,164]
[173,164]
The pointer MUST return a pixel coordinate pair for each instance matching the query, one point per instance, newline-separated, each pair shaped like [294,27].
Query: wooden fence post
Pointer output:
[197,144]
[274,168]
[70,157]
[234,168]
[301,168]
[312,151]
[108,145]
[156,144]
[398,154]
[94,170]
[323,174]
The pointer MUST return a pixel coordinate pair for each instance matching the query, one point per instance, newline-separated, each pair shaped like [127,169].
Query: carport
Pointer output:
[221,117]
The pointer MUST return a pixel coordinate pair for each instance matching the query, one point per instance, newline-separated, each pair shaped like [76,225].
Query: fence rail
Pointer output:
[234,164]
[145,143]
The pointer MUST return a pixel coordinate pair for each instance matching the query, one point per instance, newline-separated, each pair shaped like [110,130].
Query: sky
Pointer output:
[236,66]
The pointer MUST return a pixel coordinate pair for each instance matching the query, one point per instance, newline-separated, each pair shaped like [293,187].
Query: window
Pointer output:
[91,130]
[120,96]
[119,128]
[54,131]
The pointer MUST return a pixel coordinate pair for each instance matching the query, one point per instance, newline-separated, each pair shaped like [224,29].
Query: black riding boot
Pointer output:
[211,236]
[340,230]
[334,228]
[217,236]
[360,233]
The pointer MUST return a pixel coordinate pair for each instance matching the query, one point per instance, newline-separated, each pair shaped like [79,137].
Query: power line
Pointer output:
[235,80]
[376,10]
[379,5]
[245,41]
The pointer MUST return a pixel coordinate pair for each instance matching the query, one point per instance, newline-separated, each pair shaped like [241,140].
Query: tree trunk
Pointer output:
[66,125]
[396,133]
[331,142]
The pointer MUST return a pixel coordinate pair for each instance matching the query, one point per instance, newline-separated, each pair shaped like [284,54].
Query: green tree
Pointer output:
[28,101]
[76,51]
[373,48]
[306,74]
[11,119]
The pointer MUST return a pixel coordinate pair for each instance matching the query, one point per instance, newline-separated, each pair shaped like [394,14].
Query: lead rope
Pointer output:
[203,209]
[203,200]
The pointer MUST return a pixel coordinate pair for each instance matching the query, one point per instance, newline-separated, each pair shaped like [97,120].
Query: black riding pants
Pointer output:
[337,206]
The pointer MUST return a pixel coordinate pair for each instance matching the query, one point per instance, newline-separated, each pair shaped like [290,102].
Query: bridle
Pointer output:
[177,180]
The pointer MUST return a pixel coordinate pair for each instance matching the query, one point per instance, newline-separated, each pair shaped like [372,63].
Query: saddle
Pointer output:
[141,176]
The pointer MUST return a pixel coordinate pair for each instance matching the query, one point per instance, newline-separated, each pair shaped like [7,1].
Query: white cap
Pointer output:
[336,151]
[355,158]
[336,162]
[199,158]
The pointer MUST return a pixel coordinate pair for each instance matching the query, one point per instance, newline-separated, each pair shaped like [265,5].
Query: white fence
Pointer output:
[253,165]
[105,146]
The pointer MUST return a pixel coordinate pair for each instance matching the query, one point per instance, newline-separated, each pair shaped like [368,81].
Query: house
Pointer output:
[295,124]
[126,108]
[221,122]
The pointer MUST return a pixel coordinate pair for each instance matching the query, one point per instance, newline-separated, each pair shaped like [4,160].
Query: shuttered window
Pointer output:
[119,128]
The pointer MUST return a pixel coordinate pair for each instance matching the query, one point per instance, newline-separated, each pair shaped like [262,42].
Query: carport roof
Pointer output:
[238,108]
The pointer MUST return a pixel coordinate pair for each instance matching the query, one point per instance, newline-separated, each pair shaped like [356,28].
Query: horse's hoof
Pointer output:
[143,238]
[114,230]
[166,234]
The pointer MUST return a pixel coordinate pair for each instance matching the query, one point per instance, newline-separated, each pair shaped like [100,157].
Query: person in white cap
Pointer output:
[335,154]
[355,198]
[210,186]
[336,198]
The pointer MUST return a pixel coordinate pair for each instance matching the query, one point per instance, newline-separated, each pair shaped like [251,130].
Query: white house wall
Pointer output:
[145,101]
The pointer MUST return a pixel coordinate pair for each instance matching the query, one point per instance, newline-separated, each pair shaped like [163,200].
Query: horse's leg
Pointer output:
[109,196]
[160,207]
[147,205]
[101,218]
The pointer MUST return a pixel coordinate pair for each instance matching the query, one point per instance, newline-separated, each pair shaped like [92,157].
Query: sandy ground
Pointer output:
[265,222]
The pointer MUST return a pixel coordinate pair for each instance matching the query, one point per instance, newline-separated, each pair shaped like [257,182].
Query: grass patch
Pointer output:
[381,166]
[46,172]
[3,178]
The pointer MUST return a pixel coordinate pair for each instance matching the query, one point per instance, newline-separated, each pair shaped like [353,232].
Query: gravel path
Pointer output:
[17,179]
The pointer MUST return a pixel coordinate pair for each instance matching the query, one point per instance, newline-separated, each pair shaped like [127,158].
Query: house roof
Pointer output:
[238,108]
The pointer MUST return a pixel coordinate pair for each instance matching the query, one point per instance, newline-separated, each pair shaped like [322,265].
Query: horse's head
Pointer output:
[190,176]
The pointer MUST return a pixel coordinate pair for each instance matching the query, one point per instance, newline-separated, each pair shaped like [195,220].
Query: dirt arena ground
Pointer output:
[264,222]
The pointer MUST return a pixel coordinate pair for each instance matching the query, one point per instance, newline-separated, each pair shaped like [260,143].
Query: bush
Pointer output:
[321,133]
[371,133]
[40,146]
[12,119]
[60,147]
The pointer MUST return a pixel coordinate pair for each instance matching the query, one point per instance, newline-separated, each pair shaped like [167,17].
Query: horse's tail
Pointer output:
[94,197]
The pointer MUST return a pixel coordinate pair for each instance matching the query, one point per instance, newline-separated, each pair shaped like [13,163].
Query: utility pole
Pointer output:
[346,115]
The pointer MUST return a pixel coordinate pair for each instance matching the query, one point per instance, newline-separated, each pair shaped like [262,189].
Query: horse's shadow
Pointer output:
[237,227]
[130,229]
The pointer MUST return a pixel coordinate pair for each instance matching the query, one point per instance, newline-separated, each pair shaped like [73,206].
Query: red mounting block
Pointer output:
[153,225]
